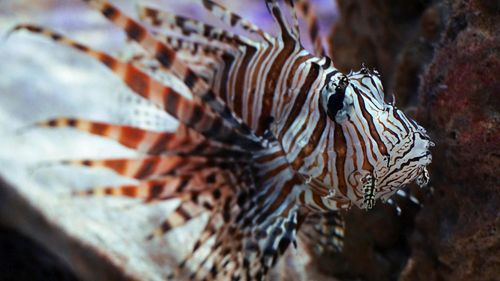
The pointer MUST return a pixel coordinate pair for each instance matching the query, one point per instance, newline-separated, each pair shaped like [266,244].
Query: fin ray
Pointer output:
[194,115]
[306,10]
[155,166]
[168,60]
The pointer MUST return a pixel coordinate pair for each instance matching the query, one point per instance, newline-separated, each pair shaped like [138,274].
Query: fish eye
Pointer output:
[335,100]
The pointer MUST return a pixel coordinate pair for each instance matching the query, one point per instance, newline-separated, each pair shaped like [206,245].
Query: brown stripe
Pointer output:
[207,30]
[228,60]
[72,122]
[318,187]
[131,137]
[190,79]
[305,7]
[147,168]
[274,172]
[234,19]
[272,80]
[313,140]
[183,213]
[153,15]
[270,157]
[165,227]
[107,60]
[196,115]
[373,131]
[314,33]
[155,189]
[129,190]
[326,160]
[80,47]
[396,115]
[208,4]
[354,158]
[281,22]
[367,166]
[32,28]
[297,62]
[135,31]
[302,197]
[171,102]
[240,80]
[180,22]
[340,147]
[56,36]
[99,129]
[284,191]
[255,80]
[110,11]
[182,185]
[317,200]
[117,165]
[164,55]
[161,143]
[390,131]
[215,129]
[301,98]
[137,80]
[312,143]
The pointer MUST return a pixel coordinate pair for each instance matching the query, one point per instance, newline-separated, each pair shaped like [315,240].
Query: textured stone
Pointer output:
[457,234]
[442,60]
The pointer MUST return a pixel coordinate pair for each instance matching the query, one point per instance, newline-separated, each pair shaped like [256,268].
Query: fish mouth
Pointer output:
[425,158]
[423,178]
[424,146]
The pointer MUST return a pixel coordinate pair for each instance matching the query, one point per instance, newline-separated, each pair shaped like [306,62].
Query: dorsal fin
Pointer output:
[232,19]
[191,28]
[287,31]
[295,27]
[183,141]
[205,60]
[168,60]
[307,11]
[195,115]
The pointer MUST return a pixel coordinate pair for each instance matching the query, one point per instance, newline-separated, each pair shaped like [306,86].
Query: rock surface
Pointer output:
[19,254]
[442,61]
[458,233]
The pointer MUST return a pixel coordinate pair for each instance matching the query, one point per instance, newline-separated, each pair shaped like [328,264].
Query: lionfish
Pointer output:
[272,137]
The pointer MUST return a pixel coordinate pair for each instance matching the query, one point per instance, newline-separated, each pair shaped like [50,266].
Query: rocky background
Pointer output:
[440,59]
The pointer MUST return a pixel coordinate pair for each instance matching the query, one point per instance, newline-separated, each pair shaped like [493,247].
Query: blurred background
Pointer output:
[440,59]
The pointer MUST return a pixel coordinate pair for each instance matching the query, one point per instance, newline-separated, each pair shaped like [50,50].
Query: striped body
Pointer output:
[272,137]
